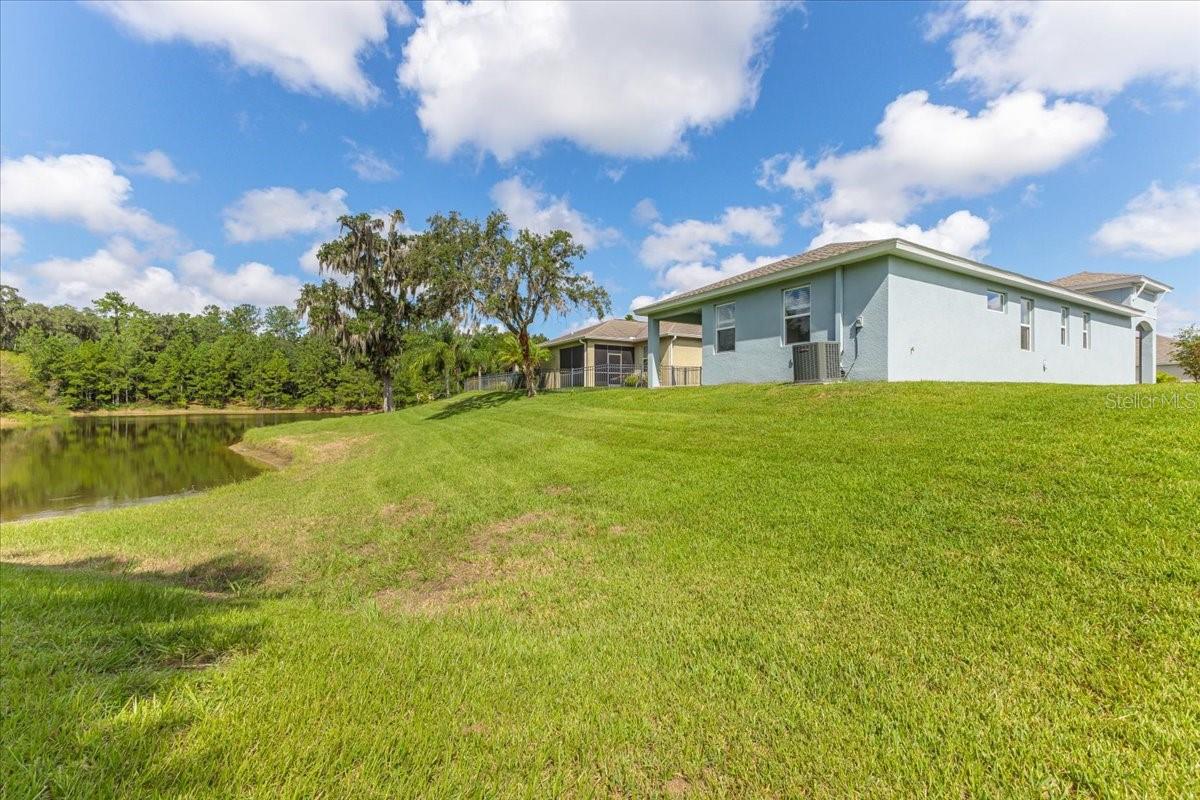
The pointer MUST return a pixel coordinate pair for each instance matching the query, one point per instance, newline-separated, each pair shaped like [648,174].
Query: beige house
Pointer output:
[613,353]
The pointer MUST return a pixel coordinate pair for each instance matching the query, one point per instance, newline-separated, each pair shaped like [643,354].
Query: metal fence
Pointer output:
[610,376]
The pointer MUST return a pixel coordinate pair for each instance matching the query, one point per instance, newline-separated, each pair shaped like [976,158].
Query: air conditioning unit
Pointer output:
[816,362]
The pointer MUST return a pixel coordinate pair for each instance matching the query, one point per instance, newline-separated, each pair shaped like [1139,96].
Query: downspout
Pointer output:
[838,336]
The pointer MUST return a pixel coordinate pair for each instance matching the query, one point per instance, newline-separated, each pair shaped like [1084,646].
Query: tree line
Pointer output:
[399,319]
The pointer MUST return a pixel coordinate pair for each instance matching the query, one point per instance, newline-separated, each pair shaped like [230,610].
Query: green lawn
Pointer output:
[780,591]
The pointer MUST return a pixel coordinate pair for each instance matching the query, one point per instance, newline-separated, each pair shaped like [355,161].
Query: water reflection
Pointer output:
[94,462]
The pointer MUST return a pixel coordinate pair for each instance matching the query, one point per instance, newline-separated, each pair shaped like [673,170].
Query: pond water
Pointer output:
[82,463]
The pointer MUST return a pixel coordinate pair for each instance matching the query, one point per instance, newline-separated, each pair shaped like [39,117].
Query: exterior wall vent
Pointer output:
[816,362]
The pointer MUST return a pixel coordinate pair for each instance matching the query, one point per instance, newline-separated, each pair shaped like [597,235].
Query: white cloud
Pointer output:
[252,282]
[1080,47]
[683,277]
[81,188]
[527,207]
[369,165]
[696,241]
[1031,195]
[158,164]
[1157,224]
[926,152]
[691,275]
[1174,316]
[308,259]
[80,281]
[624,80]
[195,283]
[311,47]
[11,241]
[961,233]
[645,211]
[282,211]
[615,174]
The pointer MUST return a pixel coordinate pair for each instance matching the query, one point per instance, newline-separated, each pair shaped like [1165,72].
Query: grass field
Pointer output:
[779,591]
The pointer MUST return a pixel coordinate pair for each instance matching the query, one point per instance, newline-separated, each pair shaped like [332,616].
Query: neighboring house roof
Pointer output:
[834,255]
[1164,350]
[626,330]
[1083,281]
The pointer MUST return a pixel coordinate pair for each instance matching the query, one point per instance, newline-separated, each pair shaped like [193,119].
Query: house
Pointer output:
[894,310]
[613,353]
[1167,361]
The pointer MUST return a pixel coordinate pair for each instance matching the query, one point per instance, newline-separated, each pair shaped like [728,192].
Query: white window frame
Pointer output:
[1064,326]
[718,327]
[784,319]
[1003,300]
[1023,325]
[1087,331]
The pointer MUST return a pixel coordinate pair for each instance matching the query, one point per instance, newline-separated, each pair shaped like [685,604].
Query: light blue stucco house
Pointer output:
[892,310]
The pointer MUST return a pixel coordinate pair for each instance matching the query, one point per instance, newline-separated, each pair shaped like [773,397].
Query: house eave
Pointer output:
[897,247]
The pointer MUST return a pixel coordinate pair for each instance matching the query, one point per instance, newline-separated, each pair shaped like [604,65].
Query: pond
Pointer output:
[83,463]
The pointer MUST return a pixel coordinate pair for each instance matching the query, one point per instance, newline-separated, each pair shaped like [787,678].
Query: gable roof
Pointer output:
[1083,281]
[1164,350]
[626,330]
[835,255]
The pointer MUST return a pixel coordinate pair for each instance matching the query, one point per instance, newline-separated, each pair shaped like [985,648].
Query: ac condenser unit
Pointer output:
[816,362]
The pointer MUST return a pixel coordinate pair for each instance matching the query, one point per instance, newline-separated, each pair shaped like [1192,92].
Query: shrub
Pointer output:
[1166,377]
[1187,351]
[20,390]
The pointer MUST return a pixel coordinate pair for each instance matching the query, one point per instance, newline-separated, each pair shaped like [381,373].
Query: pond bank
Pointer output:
[167,411]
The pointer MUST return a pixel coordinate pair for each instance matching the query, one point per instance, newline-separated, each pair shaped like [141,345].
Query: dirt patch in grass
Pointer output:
[503,549]
[282,451]
[557,490]
[400,514]
[678,786]
[276,458]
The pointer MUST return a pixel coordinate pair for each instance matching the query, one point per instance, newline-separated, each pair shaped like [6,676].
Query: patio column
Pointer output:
[652,352]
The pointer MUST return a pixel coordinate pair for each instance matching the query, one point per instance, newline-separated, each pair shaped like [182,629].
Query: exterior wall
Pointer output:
[760,354]
[940,328]
[682,353]
[676,352]
[1145,301]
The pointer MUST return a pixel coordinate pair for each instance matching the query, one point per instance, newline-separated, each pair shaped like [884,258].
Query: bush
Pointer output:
[1166,377]
[20,390]
[1187,351]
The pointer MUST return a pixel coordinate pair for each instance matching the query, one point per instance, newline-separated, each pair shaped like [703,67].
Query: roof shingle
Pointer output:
[1082,280]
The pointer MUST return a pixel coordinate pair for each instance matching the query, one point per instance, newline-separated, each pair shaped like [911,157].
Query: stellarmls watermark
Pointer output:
[1179,400]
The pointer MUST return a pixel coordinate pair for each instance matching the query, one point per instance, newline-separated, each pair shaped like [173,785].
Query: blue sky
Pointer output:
[192,154]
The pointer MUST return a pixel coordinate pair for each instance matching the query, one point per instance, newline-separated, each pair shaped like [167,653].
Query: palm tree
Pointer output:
[512,356]
[441,349]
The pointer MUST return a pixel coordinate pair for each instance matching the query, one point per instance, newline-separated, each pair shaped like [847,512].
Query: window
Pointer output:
[725,328]
[1064,327]
[996,300]
[796,307]
[1087,331]
[1026,323]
